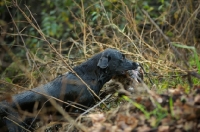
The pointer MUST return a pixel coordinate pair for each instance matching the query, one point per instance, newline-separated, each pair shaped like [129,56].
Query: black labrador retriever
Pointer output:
[95,72]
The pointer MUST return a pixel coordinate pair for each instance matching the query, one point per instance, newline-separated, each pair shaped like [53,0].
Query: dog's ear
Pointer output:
[103,62]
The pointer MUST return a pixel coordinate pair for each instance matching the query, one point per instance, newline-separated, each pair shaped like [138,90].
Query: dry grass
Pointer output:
[142,41]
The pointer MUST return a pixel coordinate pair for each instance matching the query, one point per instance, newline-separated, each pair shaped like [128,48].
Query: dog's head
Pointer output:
[115,62]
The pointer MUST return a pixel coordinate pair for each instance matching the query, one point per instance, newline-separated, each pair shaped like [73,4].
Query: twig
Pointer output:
[193,15]
[112,25]
[35,117]
[27,51]
[17,124]
[102,101]
[108,96]
[67,116]
[177,54]
[43,36]
[70,104]
[166,38]
[60,100]
[19,33]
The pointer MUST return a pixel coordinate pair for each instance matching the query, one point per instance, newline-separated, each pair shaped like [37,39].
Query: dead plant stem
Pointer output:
[43,36]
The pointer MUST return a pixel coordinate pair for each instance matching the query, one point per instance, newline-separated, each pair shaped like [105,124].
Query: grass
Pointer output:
[196,57]
[139,40]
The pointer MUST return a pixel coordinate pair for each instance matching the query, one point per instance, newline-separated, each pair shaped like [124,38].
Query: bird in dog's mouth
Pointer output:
[136,74]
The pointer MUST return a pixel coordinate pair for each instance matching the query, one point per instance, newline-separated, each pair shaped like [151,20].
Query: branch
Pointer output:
[177,54]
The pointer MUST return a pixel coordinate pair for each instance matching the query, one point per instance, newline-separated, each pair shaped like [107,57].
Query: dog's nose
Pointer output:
[135,65]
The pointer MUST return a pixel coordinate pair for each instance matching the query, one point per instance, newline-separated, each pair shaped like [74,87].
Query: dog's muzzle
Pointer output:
[135,65]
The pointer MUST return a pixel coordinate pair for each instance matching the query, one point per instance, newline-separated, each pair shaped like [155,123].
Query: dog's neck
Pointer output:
[89,66]
[93,72]
[105,76]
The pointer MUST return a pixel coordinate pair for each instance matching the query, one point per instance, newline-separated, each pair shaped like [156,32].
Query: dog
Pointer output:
[95,72]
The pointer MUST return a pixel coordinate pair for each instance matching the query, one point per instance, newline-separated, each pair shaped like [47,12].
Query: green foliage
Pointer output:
[62,20]
[158,112]
[8,80]
[51,27]
[139,106]
[155,8]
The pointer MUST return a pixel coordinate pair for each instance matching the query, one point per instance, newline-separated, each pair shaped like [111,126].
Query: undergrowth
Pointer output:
[39,52]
